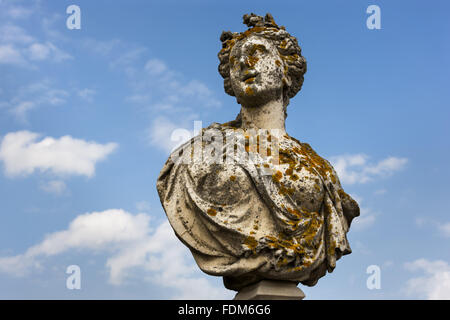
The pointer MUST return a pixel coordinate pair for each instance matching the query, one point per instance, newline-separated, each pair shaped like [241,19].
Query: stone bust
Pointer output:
[278,216]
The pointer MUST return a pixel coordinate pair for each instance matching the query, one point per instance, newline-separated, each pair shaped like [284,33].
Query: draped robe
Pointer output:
[247,225]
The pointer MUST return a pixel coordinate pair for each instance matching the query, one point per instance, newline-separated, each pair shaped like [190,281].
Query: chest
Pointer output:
[297,179]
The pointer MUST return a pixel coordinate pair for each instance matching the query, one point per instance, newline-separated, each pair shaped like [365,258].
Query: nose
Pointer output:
[243,63]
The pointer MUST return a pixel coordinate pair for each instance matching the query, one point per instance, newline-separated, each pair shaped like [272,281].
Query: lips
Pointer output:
[250,74]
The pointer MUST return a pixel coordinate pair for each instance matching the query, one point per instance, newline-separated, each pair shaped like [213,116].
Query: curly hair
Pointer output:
[287,45]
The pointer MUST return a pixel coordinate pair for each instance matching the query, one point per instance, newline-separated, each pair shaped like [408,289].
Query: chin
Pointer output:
[253,95]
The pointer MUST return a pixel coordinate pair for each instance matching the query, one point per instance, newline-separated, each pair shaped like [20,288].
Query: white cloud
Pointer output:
[19,48]
[442,227]
[434,284]
[22,154]
[356,169]
[33,95]
[21,110]
[14,10]
[10,55]
[58,55]
[160,134]
[157,88]
[56,187]
[19,12]
[128,59]
[14,34]
[366,218]
[101,47]
[38,51]
[131,244]
[47,51]
[445,229]
[155,66]
[87,94]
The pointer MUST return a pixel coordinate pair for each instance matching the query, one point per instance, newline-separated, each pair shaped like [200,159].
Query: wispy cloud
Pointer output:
[56,187]
[157,88]
[46,51]
[11,55]
[87,94]
[36,94]
[366,218]
[443,228]
[356,168]
[18,47]
[167,135]
[17,10]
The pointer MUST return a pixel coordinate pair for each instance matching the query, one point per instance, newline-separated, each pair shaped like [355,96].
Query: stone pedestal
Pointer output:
[271,290]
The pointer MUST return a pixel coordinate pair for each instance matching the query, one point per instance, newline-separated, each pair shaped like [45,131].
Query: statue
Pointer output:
[281,215]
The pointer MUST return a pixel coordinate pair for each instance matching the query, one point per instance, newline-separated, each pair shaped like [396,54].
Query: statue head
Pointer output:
[261,63]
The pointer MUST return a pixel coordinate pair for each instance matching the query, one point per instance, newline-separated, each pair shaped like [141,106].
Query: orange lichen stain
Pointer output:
[266,165]
[332,248]
[211,212]
[232,178]
[285,190]
[342,194]
[333,178]
[276,177]
[251,242]
[249,91]
[251,31]
[277,62]
[310,161]
[282,243]
[290,58]
[283,44]
[229,44]
[299,268]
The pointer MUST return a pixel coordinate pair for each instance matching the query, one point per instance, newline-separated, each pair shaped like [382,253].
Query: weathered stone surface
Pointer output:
[245,213]
[271,290]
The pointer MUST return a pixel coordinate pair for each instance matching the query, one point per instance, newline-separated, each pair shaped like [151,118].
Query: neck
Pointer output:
[267,116]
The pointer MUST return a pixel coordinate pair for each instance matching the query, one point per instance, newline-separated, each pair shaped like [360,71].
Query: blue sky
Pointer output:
[86,117]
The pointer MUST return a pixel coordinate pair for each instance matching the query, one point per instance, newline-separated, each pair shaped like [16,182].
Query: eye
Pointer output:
[257,48]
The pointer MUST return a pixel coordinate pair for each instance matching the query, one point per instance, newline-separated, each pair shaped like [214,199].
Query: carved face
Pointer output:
[256,71]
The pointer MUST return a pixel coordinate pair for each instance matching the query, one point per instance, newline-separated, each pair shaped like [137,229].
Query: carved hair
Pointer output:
[286,44]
